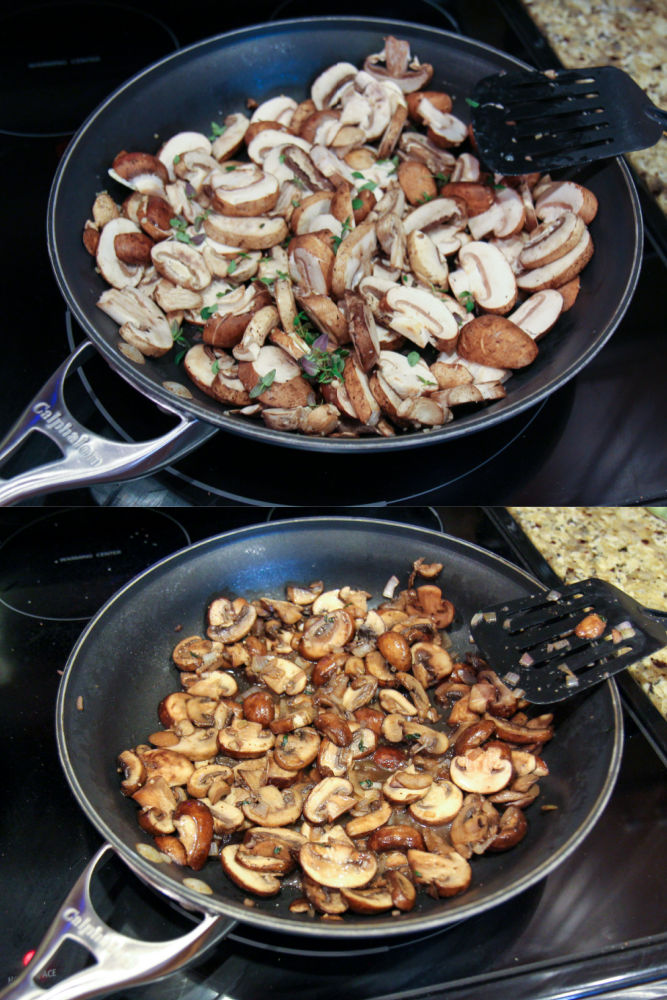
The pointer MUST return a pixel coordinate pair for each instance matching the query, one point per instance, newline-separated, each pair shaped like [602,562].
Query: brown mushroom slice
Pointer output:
[425,260]
[475,826]
[407,786]
[216,373]
[246,232]
[274,379]
[560,271]
[311,263]
[482,771]
[403,892]
[227,817]
[133,770]
[512,828]
[406,376]
[425,711]
[296,750]
[272,806]
[255,333]
[229,621]
[327,87]
[409,74]
[266,850]
[332,759]
[492,281]
[394,702]
[362,330]
[551,240]
[361,826]
[243,739]
[182,264]
[537,314]
[158,803]
[430,663]
[325,633]
[214,684]
[258,883]
[375,899]
[302,595]
[513,732]
[446,874]
[328,800]
[197,746]
[359,692]
[194,825]
[338,865]
[173,766]
[210,781]
[196,653]
[440,805]
[496,341]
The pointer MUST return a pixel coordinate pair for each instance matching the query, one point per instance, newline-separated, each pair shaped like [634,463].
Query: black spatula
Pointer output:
[531,643]
[536,121]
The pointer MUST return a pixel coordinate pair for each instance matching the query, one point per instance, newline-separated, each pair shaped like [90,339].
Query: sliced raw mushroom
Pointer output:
[566,196]
[258,195]
[111,267]
[362,330]
[537,314]
[338,865]
[492,281]
[259,883]
[274,379]
[406,376]
[445,873]
[140,171]
[255,333]
[181,264]
[496,341]
[246,232]
[409,74]
[425,260]
[551,240]
[216,373]
[142,322]
[234,129]
[353,258]
[421,317]
[359,393]
[326,88]
[560,271]
[311,263]
[183,142]
[483,771]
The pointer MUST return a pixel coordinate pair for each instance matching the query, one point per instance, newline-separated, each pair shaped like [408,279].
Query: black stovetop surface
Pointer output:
[595,927]
[599,439]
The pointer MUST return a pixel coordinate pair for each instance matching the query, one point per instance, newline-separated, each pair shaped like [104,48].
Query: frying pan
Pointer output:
[189,89]
[121,667]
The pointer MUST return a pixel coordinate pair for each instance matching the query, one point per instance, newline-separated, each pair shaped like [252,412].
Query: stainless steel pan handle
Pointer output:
[120,960]
[87,457]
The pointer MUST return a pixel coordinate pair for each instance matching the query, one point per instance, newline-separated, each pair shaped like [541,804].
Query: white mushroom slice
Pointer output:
[395,701]
[353,259]
[273,806]
[202,744]
[443,127]
[143,324]
[511,248]
[459,395]
[173,298]
[179,144]
[438,212]
[483,771]
[478,372]
[407,377]
[359,392]
[331,165]
[234,130]
[327,87]
[440,805]
[328,800]
[486,222]
[311,262]
[244,739]
[327,601]
[566,196]
[513,213]
[275,379]
[492,281]
[275,109]
[425,259]
[258,196]
[229,621]
[551,240]
[467,168]
[272,139]
[281,675]
[164,762]
[255,333]
[258,883]
[406,786]
[311,209]
[195,167]
[246,232]
[417,146]
[538,313]
[227,817]
[362,330]
[176,195]
[421,317]
[181,264]
[446,872]
[559,271]
[112,269]
[338,865]
[214,684]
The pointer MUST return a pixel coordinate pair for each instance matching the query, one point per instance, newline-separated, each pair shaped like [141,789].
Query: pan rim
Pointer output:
[197,409]
[192,900]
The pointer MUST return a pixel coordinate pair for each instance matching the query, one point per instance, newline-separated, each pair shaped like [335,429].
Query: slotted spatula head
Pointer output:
[535,121]
[532,643]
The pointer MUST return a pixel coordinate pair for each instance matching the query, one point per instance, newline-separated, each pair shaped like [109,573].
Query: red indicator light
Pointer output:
[28,957]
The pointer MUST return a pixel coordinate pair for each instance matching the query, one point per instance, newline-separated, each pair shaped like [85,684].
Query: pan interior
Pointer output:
[195,86]
[121,668]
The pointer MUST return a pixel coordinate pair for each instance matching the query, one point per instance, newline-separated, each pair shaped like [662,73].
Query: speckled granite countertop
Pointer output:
[630,34]
[625,545]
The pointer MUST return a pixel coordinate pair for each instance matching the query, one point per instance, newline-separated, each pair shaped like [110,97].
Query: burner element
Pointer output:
[65,566]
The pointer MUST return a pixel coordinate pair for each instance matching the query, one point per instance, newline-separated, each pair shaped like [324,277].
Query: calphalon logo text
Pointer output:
[54,420]
[89,929]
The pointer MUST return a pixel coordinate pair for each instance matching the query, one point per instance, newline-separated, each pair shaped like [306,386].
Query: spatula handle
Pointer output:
[657,115]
